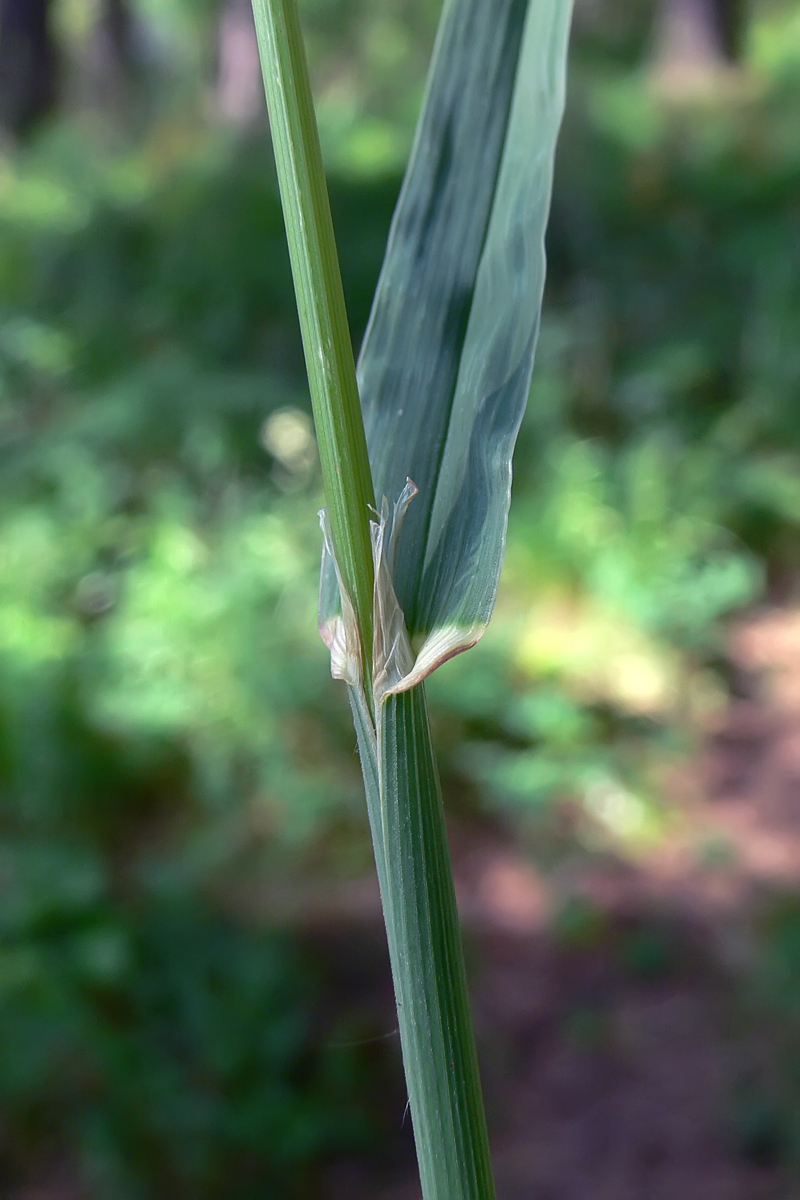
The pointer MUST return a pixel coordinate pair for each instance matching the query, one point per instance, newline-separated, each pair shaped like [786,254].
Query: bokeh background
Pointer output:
[194,991]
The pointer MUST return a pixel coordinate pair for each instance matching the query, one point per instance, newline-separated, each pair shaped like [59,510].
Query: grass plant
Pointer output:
[418,489]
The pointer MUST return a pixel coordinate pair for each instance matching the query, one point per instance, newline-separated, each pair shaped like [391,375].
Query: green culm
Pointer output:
[415,447]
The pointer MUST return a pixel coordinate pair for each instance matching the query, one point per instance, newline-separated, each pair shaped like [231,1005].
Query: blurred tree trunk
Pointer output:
[117,30]
[732,21]
[109,68]
[697,36]
[240,92]
[28,63]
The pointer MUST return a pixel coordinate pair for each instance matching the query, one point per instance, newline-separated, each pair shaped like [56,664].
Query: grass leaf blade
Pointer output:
[445,367]
[467,530]
[409,362]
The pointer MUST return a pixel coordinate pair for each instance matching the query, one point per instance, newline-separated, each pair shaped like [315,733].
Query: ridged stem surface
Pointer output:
[419,904]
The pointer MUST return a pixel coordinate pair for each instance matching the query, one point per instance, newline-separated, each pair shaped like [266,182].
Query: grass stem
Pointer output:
[320,301]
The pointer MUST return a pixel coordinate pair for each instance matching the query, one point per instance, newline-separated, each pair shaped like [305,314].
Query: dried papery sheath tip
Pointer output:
[340,631]
[439,647]
[395,667]
[392,657]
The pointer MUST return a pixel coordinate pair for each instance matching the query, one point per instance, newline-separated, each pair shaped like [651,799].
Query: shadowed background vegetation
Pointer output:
[174,758]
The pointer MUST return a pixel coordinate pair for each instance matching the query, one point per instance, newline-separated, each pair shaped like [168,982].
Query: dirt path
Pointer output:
[610,1069]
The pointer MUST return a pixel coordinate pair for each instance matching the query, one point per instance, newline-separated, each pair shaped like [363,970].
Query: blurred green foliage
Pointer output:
[169,734]
[167,1047]
[168,729]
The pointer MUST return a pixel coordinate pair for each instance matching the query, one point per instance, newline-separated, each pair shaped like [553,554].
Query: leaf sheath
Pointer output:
[419,904]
